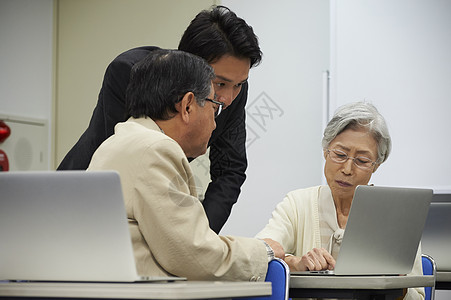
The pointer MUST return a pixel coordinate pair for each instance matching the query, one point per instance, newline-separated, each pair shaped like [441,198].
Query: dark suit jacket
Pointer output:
[228,161]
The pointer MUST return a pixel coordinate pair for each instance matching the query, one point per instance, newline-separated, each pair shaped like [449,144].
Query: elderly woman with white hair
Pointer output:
[309,223]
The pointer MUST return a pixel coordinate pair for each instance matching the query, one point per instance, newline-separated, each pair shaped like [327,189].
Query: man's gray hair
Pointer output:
[360,115]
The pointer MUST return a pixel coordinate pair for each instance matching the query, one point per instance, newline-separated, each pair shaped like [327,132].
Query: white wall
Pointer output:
[284,109]
[90,35]
[26,79]
[395,54]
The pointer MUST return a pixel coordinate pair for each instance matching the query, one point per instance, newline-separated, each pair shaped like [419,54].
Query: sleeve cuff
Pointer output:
[269,251]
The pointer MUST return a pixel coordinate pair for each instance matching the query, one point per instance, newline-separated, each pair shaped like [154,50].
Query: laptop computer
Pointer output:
[382,233]
[436,239]
[65,226]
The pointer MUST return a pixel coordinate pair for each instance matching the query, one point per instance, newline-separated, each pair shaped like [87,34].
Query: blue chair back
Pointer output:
[279,276]
[428,264]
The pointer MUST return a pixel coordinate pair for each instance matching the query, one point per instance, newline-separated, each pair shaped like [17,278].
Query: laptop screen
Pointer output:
[65,225]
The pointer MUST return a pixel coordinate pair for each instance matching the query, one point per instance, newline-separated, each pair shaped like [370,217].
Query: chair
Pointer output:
[429,269]
[279,275]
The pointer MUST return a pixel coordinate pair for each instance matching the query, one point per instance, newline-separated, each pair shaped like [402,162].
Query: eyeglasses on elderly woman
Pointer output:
[341,157]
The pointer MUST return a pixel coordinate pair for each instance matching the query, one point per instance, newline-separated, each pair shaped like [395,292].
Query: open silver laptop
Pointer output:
[436,240]
[65,226]
[383,231]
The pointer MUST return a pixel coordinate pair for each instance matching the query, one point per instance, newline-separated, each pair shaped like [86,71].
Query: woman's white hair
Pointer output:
[360,115]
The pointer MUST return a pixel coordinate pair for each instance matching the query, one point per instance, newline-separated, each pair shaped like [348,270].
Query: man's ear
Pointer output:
[186,106]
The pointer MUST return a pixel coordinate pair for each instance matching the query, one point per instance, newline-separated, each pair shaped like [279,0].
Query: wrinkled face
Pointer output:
[343,178]
[202,127]
[231,73]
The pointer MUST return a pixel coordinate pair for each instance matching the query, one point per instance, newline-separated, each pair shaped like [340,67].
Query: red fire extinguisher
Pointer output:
[5,131]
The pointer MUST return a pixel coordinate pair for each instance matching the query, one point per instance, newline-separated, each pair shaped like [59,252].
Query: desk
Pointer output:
[359,287]
[443,281]
[171,290]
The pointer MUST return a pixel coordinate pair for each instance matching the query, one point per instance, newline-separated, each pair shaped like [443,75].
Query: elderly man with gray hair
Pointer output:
[309,223]
[172,108]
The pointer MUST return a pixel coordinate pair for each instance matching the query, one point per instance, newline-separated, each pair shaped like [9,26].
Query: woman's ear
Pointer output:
[375,167]
[186,106]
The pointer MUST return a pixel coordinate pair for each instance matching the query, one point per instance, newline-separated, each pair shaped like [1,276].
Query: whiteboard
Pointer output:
[397,55]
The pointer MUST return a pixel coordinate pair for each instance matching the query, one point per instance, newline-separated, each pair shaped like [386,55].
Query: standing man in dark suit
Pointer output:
[230,46]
